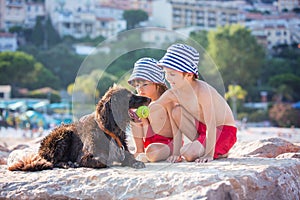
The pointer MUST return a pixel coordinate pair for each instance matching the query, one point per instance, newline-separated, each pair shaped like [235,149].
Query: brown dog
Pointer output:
[97,140]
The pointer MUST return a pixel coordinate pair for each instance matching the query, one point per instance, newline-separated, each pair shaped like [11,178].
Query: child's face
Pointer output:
[146,88]
[175,78]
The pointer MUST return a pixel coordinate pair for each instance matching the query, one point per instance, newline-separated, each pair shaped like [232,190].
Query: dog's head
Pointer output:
[112,109]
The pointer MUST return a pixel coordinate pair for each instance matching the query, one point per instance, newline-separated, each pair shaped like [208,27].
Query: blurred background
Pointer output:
[254,43]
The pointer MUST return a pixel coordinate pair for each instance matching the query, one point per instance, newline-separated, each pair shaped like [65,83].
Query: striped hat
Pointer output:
[147,69]
[181,57]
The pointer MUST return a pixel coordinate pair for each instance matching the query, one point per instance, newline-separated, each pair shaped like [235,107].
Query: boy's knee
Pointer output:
[158,152]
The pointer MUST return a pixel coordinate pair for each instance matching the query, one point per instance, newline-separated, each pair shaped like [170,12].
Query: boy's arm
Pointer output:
[177,138]
[207,104]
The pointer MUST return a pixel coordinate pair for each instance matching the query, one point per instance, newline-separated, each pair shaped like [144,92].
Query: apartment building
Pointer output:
[33,10]
[86,23]
[8,42]
[205,14]
[274,30]
[19,13]
[288,4]
[145,5]
[13,13]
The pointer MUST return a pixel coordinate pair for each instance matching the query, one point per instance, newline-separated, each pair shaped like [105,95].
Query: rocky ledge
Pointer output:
[263,169]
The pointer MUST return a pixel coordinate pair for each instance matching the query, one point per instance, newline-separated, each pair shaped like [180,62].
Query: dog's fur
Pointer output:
[84,143]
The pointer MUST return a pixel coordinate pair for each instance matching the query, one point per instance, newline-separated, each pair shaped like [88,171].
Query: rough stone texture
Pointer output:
[267,148]
[231,178]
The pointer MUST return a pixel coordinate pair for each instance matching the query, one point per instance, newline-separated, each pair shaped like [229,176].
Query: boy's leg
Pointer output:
[157,152]
[185,121]
[192,151]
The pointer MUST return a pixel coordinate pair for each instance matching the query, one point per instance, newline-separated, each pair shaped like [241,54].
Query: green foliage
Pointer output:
[52,38]
[201,38]
[15,29]
[235,91]
[91,41]
[42,77]
[285,85]
[37,37]
[62,62]
[93,85]
[237,54]
[126,62]
[53,96]
[134,17]
[258,116]
[15,68]
[43,33]
[21,70]
[284,115]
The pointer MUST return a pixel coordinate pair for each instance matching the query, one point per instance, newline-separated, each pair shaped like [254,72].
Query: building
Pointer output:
[33,10]
[206,14]
[273,30]
[5,92]
[19,13]
[8,42]
[145,5]
[288,4]
[159,20]
[13,13]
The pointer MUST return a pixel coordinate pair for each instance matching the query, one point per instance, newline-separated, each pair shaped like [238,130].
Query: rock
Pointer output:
[241,177]
[267,148]
[3,157]
[289,155]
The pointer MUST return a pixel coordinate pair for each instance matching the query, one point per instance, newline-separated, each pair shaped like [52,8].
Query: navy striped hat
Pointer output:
[147,69]
[181,57]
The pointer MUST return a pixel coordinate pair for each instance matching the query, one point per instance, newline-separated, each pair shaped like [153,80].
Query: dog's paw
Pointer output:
[138,165]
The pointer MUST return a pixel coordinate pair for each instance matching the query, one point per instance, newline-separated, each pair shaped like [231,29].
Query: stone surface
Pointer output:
[237,177]
[267,148]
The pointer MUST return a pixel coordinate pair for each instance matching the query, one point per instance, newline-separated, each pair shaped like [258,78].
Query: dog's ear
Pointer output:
[107,117]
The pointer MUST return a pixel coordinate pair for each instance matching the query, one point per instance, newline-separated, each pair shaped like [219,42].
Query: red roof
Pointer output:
[7,35]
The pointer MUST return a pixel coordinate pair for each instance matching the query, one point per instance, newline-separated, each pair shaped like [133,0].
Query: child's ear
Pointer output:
[189,75]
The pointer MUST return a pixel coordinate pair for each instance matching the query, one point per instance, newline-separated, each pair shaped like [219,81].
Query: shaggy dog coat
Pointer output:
[85,143]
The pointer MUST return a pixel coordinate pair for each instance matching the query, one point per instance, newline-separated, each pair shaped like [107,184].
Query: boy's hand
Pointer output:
[203,159]
[174,159]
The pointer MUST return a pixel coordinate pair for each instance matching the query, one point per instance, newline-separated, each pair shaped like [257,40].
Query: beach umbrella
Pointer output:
[296,105]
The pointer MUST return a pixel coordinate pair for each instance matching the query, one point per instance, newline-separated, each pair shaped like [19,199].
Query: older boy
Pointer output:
[200,112]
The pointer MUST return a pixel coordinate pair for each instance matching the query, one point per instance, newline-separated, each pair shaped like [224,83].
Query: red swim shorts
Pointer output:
[225,139]
[152,137]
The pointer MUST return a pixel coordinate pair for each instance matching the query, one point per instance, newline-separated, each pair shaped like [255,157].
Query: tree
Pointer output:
[200,37]
[92,85]
[285,85]
[20,69]
[52,37]
[15,67]
[42,77]
[134,17]
[237,54]
[62,62]
[284,115]
[37,37]
[235,92]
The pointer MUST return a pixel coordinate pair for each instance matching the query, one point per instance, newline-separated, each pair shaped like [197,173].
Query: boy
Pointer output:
[199,111]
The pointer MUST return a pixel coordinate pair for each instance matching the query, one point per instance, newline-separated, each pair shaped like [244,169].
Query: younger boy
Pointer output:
[199,112]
